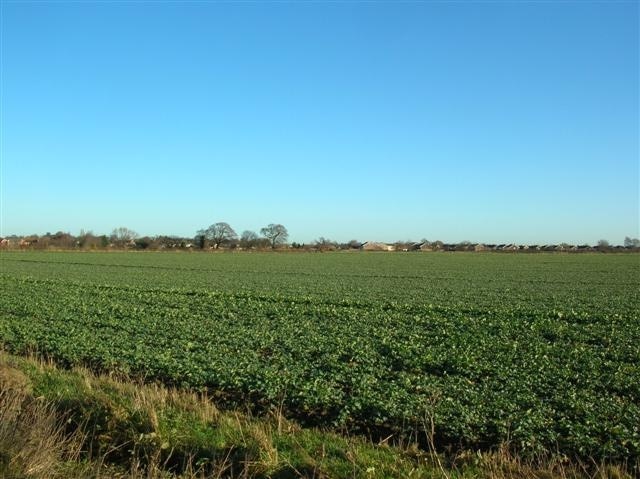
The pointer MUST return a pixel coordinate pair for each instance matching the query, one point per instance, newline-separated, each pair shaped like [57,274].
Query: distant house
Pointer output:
[376,246]
[480,247]
[511,247]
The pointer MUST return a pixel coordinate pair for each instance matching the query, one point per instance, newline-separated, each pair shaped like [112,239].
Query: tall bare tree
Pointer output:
[249,239]
[276,234]
[219,233]
[122,236]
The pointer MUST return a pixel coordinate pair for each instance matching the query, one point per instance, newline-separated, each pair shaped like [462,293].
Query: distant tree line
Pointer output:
[217,236]
[221,236]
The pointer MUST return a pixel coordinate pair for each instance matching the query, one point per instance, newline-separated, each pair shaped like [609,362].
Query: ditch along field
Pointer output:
[540,352]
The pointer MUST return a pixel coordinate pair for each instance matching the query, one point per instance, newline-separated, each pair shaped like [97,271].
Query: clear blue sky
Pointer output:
[483,121]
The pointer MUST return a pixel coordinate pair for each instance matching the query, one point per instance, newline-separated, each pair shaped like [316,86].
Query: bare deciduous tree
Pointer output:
[275,233]
[219,233]
[249,239]
[87,239]
[325,244]
[121,236]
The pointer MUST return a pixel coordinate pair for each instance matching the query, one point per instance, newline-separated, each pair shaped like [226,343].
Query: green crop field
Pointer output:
[539,351]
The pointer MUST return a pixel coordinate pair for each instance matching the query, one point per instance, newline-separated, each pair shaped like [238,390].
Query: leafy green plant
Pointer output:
[538,351]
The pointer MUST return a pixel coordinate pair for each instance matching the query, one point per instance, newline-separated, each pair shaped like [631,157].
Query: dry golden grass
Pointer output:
[33,440]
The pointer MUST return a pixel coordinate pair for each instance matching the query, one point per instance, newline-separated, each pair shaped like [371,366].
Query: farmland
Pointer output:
[537,351]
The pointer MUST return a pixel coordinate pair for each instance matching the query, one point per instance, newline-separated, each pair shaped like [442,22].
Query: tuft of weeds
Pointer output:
[33,440]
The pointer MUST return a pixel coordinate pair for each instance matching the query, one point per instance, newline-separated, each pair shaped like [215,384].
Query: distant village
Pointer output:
[124,239]
[477,247]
